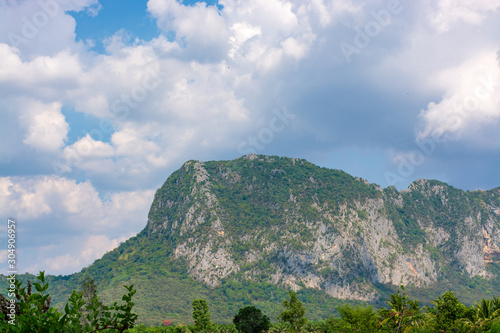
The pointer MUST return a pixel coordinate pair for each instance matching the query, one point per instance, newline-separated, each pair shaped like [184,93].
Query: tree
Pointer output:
[251,320]
[403,313]
[447,311]
[294,313]
[89,295]
[360,319]
[201,316]
[488,309]
[482,315]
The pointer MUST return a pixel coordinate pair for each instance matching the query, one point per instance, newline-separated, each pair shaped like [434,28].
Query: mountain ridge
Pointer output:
[236,231]
[339,202]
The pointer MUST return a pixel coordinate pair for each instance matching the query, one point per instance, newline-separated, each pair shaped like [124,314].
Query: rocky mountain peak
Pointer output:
[291,223]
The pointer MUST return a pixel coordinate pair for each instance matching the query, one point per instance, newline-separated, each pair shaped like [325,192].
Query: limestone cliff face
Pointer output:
[291,223]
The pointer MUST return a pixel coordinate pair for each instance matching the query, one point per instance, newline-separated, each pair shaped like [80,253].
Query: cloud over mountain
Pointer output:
[211,79]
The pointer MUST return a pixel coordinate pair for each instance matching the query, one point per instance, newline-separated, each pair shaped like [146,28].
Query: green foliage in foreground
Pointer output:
[251,320]
[294,313]
[401,315]
[201,316]
[28,311]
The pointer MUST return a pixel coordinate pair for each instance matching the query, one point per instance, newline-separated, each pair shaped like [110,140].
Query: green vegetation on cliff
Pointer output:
[244,232]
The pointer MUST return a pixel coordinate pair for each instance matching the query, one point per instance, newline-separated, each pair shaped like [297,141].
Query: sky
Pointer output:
[101,100]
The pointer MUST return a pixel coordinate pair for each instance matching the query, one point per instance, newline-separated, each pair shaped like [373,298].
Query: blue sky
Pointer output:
[113,16]
[103,100]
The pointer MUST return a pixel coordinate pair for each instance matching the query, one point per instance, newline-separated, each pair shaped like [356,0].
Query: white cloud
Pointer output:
[255,34]
[470,101]
[199,27]
[241,32]
[31,198]
[76,224]
[46,126]
[293,48]
[448,13]
[196,103]
[43,74]
[87,146]
[130,142]
[40,27]
[329,12]
[80,203]
[94,247]
[94,9]
[3,256]
[260,30]
[202,94]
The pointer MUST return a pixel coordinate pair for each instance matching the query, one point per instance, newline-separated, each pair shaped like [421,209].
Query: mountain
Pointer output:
[240,232]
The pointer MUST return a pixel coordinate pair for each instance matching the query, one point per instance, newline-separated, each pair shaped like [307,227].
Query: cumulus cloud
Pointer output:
[3,256]
[84,224]
[87,250]
[33,197]
[258,33]
[41,27]
[46,127]
[43,75]
[470,100]
[199,27]
[156,87]
[449,13]
[209,82]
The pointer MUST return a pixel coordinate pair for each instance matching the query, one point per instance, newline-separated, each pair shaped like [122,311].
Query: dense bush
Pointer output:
[28,311]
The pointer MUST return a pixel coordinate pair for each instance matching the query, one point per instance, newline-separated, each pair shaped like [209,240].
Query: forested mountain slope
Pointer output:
[238,232]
